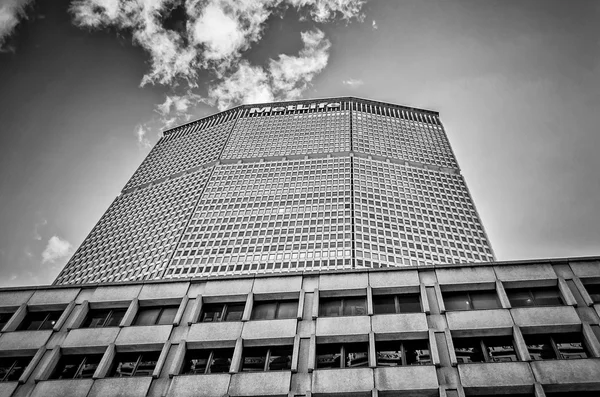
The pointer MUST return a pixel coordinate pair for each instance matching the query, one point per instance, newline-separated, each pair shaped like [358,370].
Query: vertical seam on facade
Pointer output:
[353,252]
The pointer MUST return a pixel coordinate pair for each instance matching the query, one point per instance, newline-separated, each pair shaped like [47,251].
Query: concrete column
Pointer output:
[566,292]
[372,351]
[105,362]
[79,318]
[300,305]
[16,319]
[196,310]
[161,359]
[583,292]
[424,300]
[315,308]
[130,313]
[49,365]
[295,353]
[181,310]
[236,360]
[504,301]
[369,301]
[32,364]
[248,307]
[63,317]
[521,347]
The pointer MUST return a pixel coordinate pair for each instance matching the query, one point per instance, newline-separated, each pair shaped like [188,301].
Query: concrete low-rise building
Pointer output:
[525,328]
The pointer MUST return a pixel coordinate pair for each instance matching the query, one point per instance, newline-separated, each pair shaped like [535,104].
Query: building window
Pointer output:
[11,368]
[389,304]
[471,300]
[216,312]
[207,361]
[274,310]
[4,317]
[39,320]
[556,346]
[545,296]
[342,355]
[104,318]
[134,364]
[76,366]
[485,350]
[335,307]
[272,358]
[408,352]
[593,290]
[155,315]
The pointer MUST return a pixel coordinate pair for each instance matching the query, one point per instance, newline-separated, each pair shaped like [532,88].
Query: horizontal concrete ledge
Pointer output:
[510,377]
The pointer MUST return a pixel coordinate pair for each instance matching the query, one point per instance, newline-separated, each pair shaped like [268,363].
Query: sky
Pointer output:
[86,87]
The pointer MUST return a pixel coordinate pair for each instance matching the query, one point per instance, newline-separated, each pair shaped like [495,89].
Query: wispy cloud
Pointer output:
[56,249]
[141,133]
[11,13]
[353,83]
[211,40]
[374,25]
[36,229]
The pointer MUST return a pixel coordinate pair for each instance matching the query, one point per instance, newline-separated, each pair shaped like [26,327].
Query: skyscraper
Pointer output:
[336,183]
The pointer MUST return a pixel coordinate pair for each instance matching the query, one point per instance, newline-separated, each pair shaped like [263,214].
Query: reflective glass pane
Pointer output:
[388,354]
[456,301]
[115,318]
[33,321]
[417,352]
[11,368]
[355,306]
[547,297]
[221,361]
[468,350]
[500,349]
[409,303]
[329,356]
[485,300]
[147,364]
[540,347]
[264,310]
[212,313]
[330,307]
[147,316]
[67,367]
[287,309]
[234,312]
[167,315]
[570,346]
[125,365]
[280,358]
[96,318]
[384,304]
[254,359]
[89,366]
[356,355]
[195,361]
[520,298]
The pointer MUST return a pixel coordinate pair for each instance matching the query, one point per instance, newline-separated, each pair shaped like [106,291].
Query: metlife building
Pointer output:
[339,183]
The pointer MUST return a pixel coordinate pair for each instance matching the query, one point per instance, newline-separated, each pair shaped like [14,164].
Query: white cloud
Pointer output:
[11,12]
[36,231]
[216,34]
[142,139]
[374,25]
[56,249]
[353,83]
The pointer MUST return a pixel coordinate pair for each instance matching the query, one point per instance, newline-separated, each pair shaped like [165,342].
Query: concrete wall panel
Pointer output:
[342,380]
[213,385]
[63,388]
[265,285]
[495,375]
[91,337]
[406,378]
[467,275]
[14,298]
[558,318]
[53,296]
[586,269]
[479,320]
[7,388]
[228,287]
[113,293]
[260,383]
[343,281]
[284,329]
[121,387]
[394,279]
[357,325]
[215,331]
[566,372]
[24,340]
[520,272]
[151,335]
[408,323]
[163,291]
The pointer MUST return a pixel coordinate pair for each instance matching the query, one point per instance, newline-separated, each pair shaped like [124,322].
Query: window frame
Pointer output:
[26,322]
[470,300]
[592,294]
[15,360]
[8,318]
[403,350]
[107,319]
[277,307]
[396,298]
[267,356]
[161,310]
[209,363]
[531,290]
[557,352]
[483,345]
[224,312]
[112,373]
[342,349]
[83,358]
[342,305]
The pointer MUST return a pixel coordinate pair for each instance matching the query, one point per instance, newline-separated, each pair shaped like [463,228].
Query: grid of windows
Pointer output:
[397,135]
[138,233]
[290,134]
[197,144]
[270,217]
[412,216]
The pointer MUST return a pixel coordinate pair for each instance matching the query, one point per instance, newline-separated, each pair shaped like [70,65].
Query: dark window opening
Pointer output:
[274,358]
[156,315]
[593,291]
[485,350]
[389,304]
[4,317]
[104,318]
[347,355]
[336,307]
[408,352]
[217,312]
[471,300]
[134,364]
[545,296]
[274,310]
[39,320]
[556,346]
[207,361]
[11,368]
[76,366]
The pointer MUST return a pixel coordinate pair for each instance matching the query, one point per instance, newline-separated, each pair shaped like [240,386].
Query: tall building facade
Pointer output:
[328,184]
